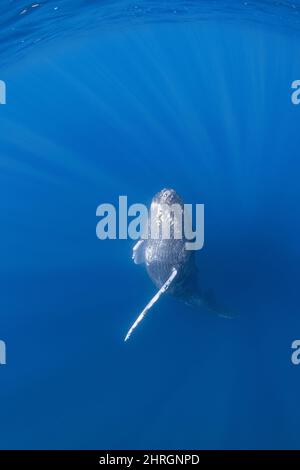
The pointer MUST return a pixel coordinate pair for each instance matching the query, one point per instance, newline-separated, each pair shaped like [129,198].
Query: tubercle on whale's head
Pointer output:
[167,196]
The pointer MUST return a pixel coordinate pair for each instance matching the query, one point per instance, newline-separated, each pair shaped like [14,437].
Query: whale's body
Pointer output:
[171,267]
[161,256]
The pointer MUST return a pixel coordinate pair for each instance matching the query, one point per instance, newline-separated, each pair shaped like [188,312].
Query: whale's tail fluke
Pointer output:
[161,291]
[208,301]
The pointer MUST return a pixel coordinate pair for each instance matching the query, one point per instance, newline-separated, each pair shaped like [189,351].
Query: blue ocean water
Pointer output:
[109,98]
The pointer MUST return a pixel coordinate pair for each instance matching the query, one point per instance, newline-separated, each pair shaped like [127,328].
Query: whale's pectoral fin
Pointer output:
[138,252]
[161,291]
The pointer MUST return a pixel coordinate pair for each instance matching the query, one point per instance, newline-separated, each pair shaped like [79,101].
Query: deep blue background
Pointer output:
[204,108]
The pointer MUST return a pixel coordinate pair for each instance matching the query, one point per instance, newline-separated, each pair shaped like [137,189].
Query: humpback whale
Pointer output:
[170,266]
